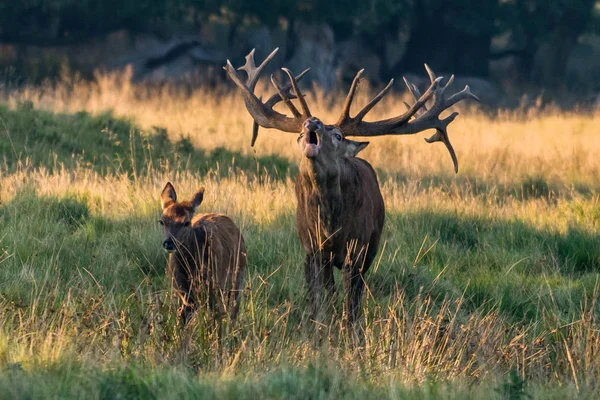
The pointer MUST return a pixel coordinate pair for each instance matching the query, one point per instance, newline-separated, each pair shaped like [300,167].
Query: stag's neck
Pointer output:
[319,190]
[322,179]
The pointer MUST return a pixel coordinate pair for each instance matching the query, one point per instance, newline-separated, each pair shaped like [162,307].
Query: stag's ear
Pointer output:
[353,148]
[168,196]
[197,199]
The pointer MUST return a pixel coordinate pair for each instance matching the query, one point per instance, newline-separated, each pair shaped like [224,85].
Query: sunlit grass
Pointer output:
[485,280]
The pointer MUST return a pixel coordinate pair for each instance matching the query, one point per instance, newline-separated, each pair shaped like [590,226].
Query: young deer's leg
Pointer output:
[183,285]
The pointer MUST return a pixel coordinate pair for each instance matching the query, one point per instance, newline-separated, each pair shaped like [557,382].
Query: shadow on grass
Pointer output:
[115,145]
[524,188]
[495,263]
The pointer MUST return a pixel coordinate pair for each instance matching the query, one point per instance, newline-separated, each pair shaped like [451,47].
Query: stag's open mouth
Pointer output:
[312,146]
[312,138]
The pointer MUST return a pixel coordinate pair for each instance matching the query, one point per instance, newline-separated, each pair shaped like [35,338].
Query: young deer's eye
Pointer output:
[160,221]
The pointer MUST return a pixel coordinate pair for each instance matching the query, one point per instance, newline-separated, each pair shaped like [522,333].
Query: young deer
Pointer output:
[207,257]
[340,212]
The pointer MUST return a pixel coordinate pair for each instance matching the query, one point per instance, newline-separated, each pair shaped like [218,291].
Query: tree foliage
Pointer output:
[452,34]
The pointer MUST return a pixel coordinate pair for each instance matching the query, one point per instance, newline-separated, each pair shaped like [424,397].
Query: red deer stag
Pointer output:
[340,211]
[207,257]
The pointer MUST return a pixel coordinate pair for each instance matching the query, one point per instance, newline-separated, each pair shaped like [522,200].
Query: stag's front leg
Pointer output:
[314,283]
[329,283]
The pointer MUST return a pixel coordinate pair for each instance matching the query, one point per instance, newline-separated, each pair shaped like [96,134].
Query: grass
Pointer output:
[486,284]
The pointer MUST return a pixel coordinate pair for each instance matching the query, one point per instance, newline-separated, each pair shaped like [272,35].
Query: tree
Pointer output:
[553,24]
[451,36]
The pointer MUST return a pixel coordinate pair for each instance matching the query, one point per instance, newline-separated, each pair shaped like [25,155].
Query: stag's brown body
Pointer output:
[207,258]
[339,218]
[340,211]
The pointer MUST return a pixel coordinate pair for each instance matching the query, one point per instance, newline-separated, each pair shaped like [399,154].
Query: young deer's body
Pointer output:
[340,211]
[207,257]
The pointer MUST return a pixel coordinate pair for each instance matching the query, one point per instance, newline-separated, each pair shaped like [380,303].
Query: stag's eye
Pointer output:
[186,223]
[337,137]
[160,221]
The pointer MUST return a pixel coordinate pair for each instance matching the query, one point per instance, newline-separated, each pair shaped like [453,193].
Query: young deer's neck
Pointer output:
[186,246]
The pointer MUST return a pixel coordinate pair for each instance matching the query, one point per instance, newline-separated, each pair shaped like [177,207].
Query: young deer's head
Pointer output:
[320,142]
[176,218]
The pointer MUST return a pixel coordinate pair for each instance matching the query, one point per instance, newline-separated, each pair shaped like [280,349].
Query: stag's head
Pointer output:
[176,218]
[319,141]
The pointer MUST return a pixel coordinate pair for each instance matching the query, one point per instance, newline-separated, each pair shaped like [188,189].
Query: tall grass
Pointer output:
[486,283]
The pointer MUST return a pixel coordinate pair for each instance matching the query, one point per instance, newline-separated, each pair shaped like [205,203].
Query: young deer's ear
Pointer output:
[353,148]
[197,199]
[168,196]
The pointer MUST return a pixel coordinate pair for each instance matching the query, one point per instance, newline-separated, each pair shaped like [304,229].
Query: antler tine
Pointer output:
[430,72]
[263,114]
[463,94]
[417,108]
[450,80]
[249,96]
[285,99]
[251,69]
[345,115]
[412,88]
[274,99]
[416,94]
[374,102]
[255,127]
[418,117]
[441,135]
[299,95]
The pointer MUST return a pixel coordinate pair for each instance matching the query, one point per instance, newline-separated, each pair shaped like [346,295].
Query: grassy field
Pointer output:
[486,284]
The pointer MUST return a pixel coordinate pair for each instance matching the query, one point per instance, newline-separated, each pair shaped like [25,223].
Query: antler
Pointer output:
[416,119]
[263,113]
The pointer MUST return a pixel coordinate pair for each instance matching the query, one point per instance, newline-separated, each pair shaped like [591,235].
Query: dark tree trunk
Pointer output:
[290,40]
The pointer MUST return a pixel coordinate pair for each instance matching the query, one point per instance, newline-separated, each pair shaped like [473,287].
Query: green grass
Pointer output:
[480,291]
[110,145]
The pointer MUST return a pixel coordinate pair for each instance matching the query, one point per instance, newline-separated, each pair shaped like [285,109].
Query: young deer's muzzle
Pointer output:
[169,245]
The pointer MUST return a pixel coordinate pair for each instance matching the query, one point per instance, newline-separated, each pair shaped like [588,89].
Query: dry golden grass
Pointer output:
[559,146]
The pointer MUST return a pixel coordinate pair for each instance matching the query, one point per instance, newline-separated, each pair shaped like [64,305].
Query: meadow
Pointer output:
[485,286]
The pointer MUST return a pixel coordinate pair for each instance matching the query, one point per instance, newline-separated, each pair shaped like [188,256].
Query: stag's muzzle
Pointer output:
[312,141]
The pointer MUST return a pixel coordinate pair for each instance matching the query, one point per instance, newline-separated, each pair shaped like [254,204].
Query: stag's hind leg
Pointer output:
[354,284]
[353,288]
